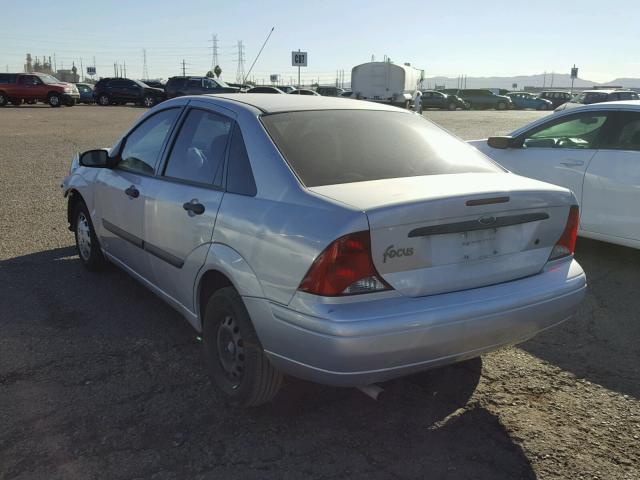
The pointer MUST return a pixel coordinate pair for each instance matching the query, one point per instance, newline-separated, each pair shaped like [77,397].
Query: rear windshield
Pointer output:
[329,147]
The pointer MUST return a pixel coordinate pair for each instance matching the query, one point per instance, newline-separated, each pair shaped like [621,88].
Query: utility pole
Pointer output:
[544,80]
[81,70]
[240,70]
[145,70]
[214,52]
[125,69]
[55,66]
[184,68]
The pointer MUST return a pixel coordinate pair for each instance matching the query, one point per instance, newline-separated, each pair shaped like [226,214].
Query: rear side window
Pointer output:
[330,147]
[199,150]
[239,177]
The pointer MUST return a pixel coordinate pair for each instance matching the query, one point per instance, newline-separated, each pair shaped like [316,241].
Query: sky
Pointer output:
[465,37]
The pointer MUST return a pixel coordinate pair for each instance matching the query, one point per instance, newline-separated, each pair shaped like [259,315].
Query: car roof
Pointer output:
[291,103]
[607,90]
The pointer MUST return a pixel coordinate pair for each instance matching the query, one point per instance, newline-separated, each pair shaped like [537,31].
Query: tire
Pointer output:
[54,100]
[4,100]
[543,107]
[469,105]
[148,101]
[501,106]
[234,357]
[87,243]
[452,106]
[70,102]
[104,100]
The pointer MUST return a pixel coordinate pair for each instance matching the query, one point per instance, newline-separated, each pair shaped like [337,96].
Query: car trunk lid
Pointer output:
[442,233]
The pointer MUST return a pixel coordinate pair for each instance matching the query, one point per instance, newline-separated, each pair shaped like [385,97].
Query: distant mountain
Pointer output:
[549,80]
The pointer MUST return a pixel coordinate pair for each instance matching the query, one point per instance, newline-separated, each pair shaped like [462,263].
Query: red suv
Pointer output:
[33,87]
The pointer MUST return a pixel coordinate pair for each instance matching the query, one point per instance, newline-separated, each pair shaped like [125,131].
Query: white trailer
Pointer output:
[385,82]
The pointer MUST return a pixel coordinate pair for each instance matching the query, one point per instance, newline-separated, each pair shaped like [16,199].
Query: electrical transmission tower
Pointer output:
[145,70]
[214,52]
[240,71]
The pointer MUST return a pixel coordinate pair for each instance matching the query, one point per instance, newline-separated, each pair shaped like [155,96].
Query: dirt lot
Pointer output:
[100,379]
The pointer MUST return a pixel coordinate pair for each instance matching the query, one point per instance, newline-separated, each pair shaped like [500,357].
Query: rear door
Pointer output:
[611,193]
[120,192]
[182,203]
[558,151]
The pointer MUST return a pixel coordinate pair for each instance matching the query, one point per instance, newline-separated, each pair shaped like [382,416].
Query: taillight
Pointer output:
[566,245]
[344,268]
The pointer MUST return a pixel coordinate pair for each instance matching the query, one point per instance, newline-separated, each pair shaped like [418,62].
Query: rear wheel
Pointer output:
[233,354]
[54,100]
[86,241]
[104,100]
[3,99]
[501,106]
[453,106]
[543,107]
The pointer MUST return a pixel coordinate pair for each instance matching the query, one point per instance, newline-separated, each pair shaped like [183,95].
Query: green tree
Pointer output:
[209,74]
[217,71]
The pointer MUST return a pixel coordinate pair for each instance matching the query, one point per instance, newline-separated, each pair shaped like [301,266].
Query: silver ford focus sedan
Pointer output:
[334,240]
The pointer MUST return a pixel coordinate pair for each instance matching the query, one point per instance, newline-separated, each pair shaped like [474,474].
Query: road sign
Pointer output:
[514,86]
[91,71]
[274,78]
[298,59]
[574,72]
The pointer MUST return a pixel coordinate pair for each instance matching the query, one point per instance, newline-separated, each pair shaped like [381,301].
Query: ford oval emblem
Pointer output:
[488,220]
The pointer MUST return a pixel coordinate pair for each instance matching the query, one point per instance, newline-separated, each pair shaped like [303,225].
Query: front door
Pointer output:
[120,192]
[182,205]
[557,152]
[612,184]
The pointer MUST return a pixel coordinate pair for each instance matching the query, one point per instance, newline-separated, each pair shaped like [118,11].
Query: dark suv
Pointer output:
[118,91]
[179,86]
[557,97]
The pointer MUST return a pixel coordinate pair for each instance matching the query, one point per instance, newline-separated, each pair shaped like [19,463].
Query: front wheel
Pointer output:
[104,100]
[501,106]
[452,106]
[543,107]
[148,101]
[234,356]
[3,99]
[86,241]
[54,100]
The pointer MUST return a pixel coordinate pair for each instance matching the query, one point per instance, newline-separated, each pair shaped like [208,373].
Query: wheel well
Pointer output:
[74,199]
[211,282]
[53,92]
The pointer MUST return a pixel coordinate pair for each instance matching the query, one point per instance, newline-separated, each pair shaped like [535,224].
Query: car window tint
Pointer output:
[194,83]
[330,147]
[626,134]
[239,176]
[142,147]
[579,131]
[199,149]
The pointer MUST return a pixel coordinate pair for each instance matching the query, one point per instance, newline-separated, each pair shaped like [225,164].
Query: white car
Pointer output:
[594,151]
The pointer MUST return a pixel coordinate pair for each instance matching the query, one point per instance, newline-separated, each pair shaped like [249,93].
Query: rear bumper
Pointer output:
[361,342]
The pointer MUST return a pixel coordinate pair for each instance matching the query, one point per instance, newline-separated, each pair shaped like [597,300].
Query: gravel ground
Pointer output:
[100,379]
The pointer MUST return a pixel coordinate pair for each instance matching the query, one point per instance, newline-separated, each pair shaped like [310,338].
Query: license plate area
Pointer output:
[479,244]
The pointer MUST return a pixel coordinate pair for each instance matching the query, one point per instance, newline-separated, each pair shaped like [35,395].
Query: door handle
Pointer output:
[132,192]
[193,207]
[572,163]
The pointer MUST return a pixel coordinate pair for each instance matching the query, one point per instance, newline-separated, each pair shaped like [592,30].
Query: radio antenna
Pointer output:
[257,56]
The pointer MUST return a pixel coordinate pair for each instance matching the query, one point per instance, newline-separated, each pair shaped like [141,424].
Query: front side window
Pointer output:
[143,146]
[198,152]
[579,131]
[330,147]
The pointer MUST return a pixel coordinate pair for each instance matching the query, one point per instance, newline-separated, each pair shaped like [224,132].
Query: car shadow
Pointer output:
[110,384]
[601,343]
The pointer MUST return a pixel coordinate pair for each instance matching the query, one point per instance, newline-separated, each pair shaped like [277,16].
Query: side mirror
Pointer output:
[95,158]
[500,142]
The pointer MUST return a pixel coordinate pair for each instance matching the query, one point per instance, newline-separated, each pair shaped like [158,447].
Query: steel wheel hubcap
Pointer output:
[104,100]
[83,234]
[231,349]
[54,100]
[148,102]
